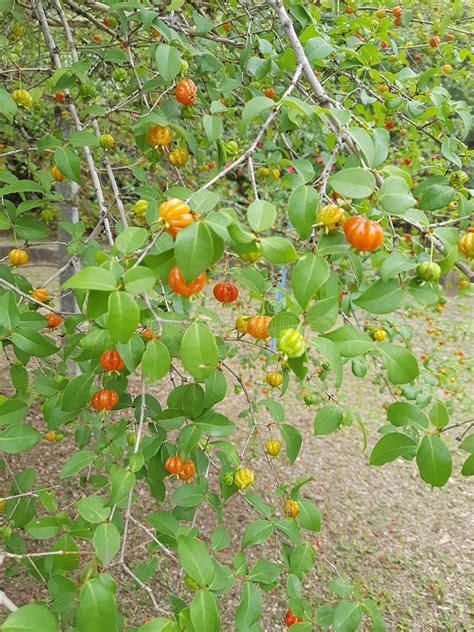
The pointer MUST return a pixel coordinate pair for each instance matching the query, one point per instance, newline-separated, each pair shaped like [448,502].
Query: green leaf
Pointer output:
[140,279]
[30,618]
[68,163]
[439,415]
[130,240]
[220,538]
[214,424]
[156,360]
[264,572]
[350,341]
[395,196]
[8,107]
[123,316]
[468,466]
[392,446]
[292,439]
[309,516]
[382,297]
[43,528]
[450,150]
[9,312]
[254,107]
[308,276]
[404,413]
[188,496]
[256,532]
[363,140]
[97,611]
[33,343]
[92,278]
[261,215]
[250,607]
[401,365]
[195,559]
[323,314]
[347,616]
[302,558]
[12,411]
[167,61]
[331,352]
[204,612]
[122,484]
[194,249]
[18,438]
[199,353]
[106,542]
[93,509]
[395,264]
[76,394]
[317,48]
[434,461]
[353,182]
[378,624]
[77,462]
[328,419]
[30,228]
[278,250]
[213,127]
[302,206]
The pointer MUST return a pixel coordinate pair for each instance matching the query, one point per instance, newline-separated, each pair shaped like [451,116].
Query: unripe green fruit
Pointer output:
[183,69]
[232,147]
[309,399]
[428,271]
[187,112]
[131,439]
[120,75]
[291,342]
[228,478]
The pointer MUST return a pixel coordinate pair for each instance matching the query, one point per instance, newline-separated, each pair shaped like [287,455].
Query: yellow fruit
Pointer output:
[331,216]
[273,447]
[140,207]
[446,68]
[106,141]
[57,175]
[380,335]
[241,324]
[158,135]
[466,244]
[40,294]
[178,157]
[275,173]
[274,378]
[23,98]
[291,508]
[18,257]
[50,436]
[250,256]
[243,477]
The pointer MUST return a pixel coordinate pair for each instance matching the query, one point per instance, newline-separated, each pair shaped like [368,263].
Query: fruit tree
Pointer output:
[275,186]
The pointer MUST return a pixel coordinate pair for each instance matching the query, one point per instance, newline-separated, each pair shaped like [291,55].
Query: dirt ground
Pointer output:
[405,546]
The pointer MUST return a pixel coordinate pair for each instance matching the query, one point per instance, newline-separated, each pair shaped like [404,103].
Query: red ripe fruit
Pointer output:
[174,465]
[104,399]
[364,234]
[59,96]
[389,124]
[225,292]
[291,619]
[187,470]
[186,92]
[111,361]
[407,161]
[397,12]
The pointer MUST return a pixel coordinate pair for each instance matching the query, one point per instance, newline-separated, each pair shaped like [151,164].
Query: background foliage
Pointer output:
[298,106]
